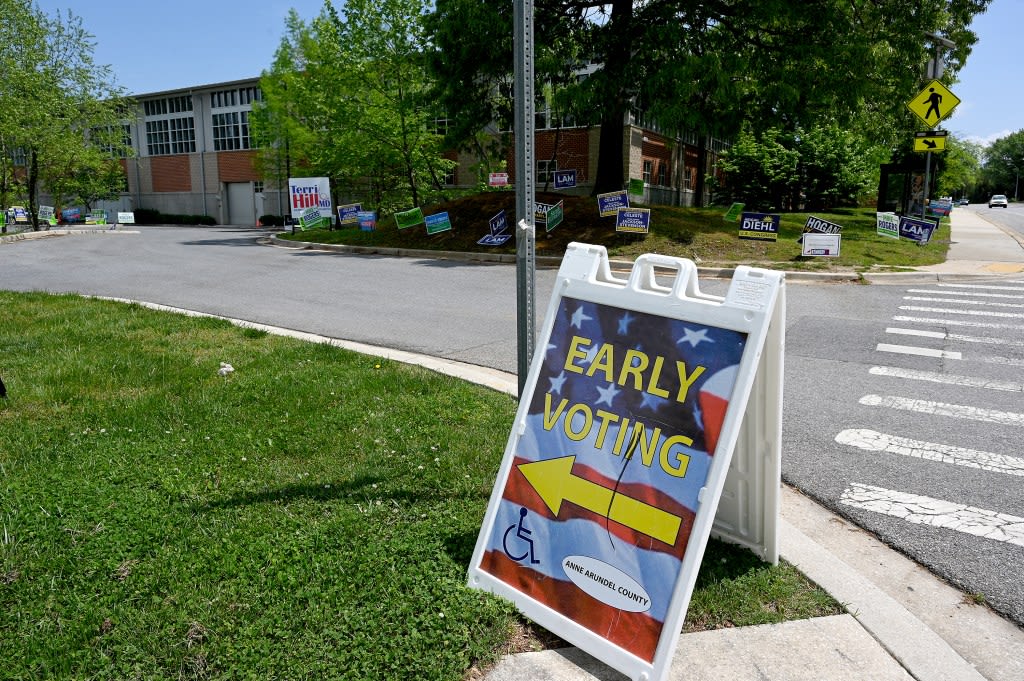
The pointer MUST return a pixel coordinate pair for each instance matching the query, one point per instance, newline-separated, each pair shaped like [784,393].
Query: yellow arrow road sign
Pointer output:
[924,141]
[933,103]
[554,482]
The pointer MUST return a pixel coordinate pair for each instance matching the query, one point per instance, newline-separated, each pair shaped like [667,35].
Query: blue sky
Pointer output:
[154,45]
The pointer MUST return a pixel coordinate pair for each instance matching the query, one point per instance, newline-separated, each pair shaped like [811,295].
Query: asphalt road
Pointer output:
[919,445]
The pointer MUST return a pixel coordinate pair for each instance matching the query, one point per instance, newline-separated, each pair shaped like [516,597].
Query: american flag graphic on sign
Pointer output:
[597,509]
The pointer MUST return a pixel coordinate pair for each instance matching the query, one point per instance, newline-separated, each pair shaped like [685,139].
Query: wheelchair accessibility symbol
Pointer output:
[525,542]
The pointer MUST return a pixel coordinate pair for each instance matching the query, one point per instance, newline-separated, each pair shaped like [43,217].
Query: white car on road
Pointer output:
[997,200]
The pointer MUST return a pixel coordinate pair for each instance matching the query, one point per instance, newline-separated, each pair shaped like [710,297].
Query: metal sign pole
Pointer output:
[525,232]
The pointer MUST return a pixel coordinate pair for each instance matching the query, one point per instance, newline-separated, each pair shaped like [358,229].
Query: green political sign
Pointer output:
[409,218]
[554,215]
[636,187]
[734,212]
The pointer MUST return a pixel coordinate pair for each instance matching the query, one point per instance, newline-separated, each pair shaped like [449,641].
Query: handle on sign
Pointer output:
[642,278]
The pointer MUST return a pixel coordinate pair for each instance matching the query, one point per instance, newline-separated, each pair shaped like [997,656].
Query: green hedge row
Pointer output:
[147,216]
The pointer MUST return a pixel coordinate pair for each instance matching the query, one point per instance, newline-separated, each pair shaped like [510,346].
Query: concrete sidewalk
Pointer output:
[902,622]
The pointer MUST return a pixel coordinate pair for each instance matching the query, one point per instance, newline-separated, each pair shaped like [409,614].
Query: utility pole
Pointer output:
[525,230]
[935,71]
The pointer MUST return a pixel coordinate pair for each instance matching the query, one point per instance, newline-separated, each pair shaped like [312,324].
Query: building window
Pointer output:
[231,131]
[167,105]
[257,187]
[663,174]
[243,96]
[688,179]
[546,171]
[648,171]
[104,138]
[170,136]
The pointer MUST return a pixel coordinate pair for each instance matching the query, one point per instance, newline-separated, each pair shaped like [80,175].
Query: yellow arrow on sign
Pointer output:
[933,103]
[930,142]
[554,482]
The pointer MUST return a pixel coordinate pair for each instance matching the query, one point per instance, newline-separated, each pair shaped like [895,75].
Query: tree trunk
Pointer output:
[610,175]
[33,182]
[700,182]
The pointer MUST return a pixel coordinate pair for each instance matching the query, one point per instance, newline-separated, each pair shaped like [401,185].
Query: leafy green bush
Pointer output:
[271,220]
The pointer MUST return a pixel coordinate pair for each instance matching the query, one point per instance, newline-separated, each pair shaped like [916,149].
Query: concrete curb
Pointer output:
[32,236]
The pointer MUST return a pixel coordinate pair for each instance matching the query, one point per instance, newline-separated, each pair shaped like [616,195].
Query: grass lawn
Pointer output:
[699,234]
[309,515]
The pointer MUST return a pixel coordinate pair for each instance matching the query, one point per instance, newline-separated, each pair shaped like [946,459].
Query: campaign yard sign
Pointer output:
[553,216]
[309,192]
[636,187]
[126,217]
[608,204]
[409,218]
[634,220]
[816,225]
[438,223]
[367,220]
[498,231]
[760,226]
[917,229]
[734,212]
[311,218]
[616,462]
[815,244]
[565,179]
[497,179]
[349,213]
[887,224]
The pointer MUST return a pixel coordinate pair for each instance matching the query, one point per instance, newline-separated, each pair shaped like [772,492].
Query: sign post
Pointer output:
[935,99]
[618,467]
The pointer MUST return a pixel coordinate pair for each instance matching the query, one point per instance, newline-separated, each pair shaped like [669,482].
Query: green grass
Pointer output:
[699,234]
[310,515]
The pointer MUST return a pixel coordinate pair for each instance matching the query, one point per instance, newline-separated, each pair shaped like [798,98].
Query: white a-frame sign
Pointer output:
[637,398]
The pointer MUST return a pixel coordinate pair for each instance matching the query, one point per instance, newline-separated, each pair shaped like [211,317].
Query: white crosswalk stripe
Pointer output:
[922,510]
[914,350]
[873,441]
[958,322]
[976,294]
[951,379]
[928,299]
[943,335]
[958,411]
[974,313]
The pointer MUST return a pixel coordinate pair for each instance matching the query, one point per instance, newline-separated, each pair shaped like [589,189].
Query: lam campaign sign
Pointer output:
[916,229]
[619,453]
[498,231]
[565,179]
[309,192]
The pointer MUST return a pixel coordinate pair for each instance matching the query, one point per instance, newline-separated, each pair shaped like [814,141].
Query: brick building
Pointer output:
[194,155]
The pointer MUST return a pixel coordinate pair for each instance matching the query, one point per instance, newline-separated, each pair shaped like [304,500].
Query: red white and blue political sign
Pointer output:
[367,220]
[917,229]
[620,435]
[565,179]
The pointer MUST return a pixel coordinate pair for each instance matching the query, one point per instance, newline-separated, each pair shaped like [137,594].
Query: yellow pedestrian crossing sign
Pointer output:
[933,103]
[931,140]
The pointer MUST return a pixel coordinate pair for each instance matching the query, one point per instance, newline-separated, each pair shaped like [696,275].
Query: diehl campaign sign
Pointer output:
[760,226]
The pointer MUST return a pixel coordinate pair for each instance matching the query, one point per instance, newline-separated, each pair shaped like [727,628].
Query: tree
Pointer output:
[961,169]
[708,66]
[1004,162]
[348,93]
[56,105]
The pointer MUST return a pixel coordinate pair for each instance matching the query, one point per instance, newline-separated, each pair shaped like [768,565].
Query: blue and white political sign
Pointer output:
[635,220]
[349,214]
[565,179]
[494,239]
[760,226]
[917,229]
[499,223]
[608,205]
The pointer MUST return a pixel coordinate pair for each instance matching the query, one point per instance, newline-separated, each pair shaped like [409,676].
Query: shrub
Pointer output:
[271,220]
